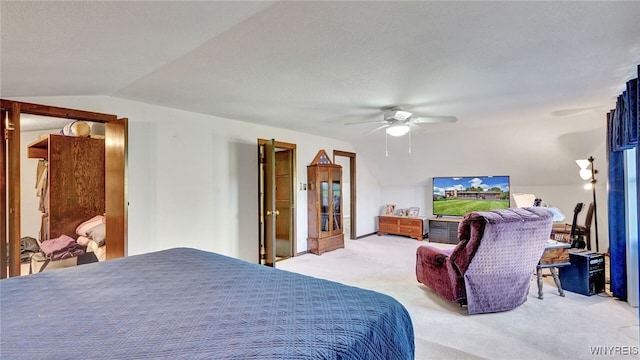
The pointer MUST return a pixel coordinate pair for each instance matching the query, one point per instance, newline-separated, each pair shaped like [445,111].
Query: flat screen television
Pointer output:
[457,196]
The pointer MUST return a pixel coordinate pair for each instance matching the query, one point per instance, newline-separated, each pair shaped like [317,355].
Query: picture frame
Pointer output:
[414,212]
[389,209]
[402,212]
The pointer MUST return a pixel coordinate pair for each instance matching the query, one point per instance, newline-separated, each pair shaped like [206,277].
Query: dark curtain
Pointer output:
[617,226]
[622,134]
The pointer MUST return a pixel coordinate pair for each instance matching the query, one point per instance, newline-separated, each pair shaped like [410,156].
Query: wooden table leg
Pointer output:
[539,274]
[554,273]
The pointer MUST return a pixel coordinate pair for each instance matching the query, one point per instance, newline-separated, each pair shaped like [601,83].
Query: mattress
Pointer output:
[185,303]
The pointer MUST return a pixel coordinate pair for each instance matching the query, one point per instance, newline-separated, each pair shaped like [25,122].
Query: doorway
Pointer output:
[278,243]
[348,162]
[115,135]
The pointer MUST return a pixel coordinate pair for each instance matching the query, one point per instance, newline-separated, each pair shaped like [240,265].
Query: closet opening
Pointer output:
[115,153]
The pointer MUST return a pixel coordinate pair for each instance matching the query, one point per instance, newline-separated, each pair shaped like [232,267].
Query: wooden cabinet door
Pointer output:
[76,182]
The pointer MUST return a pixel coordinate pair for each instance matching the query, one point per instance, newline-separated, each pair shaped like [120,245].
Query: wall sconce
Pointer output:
[588,172]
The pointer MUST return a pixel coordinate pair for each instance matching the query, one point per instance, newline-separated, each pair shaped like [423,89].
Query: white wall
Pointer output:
[193,178]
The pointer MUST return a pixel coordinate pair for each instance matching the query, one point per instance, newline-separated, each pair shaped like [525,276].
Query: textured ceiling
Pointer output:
[303,65]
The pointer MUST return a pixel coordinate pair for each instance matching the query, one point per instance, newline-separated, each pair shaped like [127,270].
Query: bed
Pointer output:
[185,303]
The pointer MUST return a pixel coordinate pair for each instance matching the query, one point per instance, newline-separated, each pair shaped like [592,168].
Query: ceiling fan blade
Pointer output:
[376,129]
[434,119]
[366,122]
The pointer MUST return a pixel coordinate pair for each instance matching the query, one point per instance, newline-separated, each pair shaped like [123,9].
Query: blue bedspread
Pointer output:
[190,304]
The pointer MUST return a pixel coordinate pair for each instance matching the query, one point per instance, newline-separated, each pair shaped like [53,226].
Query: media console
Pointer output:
[444,229]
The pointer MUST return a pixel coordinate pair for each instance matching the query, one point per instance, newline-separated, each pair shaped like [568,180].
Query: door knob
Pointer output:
[276,213]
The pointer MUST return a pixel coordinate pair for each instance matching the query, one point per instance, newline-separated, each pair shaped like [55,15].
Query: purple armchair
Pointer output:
[490,269]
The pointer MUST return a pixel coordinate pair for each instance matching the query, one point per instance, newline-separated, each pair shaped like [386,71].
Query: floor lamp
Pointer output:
[590,174]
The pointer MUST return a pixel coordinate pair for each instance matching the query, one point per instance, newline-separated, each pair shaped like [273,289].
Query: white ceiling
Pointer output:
[305,65]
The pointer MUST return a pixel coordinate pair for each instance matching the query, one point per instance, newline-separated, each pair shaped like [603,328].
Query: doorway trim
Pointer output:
[352,188]
[294,199]
[116,140]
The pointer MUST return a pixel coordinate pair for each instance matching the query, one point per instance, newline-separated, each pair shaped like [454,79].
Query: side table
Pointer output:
[555,255]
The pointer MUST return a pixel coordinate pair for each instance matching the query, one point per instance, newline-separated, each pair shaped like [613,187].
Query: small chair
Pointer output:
[581,230]
[491,268]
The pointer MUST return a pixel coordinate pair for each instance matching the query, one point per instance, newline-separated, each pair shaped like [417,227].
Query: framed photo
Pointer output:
[389,209]
[402,212]
[414,212]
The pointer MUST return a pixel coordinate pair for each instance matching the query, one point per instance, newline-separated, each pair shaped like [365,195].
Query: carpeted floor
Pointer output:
[571,327]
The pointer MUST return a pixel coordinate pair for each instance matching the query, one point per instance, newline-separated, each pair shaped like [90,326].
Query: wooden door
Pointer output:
[11,207]
[270,211]
[284,197]
[3,196]
[116,203]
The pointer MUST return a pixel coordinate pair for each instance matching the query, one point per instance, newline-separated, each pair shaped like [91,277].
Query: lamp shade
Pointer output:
[398,130]
[585,174]
[583,163]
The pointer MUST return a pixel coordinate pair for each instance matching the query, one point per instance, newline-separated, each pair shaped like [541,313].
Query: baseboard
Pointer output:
[365,235]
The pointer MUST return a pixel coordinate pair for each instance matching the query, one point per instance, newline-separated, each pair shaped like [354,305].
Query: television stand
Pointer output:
[444,229]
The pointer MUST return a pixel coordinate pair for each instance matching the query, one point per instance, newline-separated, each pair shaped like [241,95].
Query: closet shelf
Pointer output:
[39,149]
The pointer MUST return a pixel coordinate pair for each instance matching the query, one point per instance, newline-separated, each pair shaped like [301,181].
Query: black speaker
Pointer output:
[585,275]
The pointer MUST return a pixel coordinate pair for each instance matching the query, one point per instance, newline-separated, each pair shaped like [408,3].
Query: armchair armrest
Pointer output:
[431,256]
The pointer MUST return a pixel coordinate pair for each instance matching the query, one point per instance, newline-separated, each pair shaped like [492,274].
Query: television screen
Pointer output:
[457,196]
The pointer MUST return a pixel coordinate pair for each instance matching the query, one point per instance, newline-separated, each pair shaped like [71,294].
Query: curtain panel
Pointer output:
[623,120]
[622,134]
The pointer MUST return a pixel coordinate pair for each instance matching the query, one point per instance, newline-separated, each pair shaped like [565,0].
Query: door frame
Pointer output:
[116,140]
[293,196]
[352,188]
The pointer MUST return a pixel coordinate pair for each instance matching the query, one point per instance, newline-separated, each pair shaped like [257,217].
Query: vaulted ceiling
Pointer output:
[313,66]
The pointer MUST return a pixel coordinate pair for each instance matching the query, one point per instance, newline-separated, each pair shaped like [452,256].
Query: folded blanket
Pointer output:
[61,248]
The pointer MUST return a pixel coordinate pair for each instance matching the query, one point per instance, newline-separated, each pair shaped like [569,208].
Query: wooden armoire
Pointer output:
[324,204]
[75,169]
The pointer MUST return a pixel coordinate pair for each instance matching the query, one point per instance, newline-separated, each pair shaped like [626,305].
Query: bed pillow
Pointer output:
[83,229]
[98,233]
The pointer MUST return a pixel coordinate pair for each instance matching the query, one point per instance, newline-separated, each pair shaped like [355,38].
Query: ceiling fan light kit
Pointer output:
[398,130]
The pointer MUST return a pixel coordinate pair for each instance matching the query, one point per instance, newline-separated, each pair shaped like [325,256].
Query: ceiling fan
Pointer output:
[398,121]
